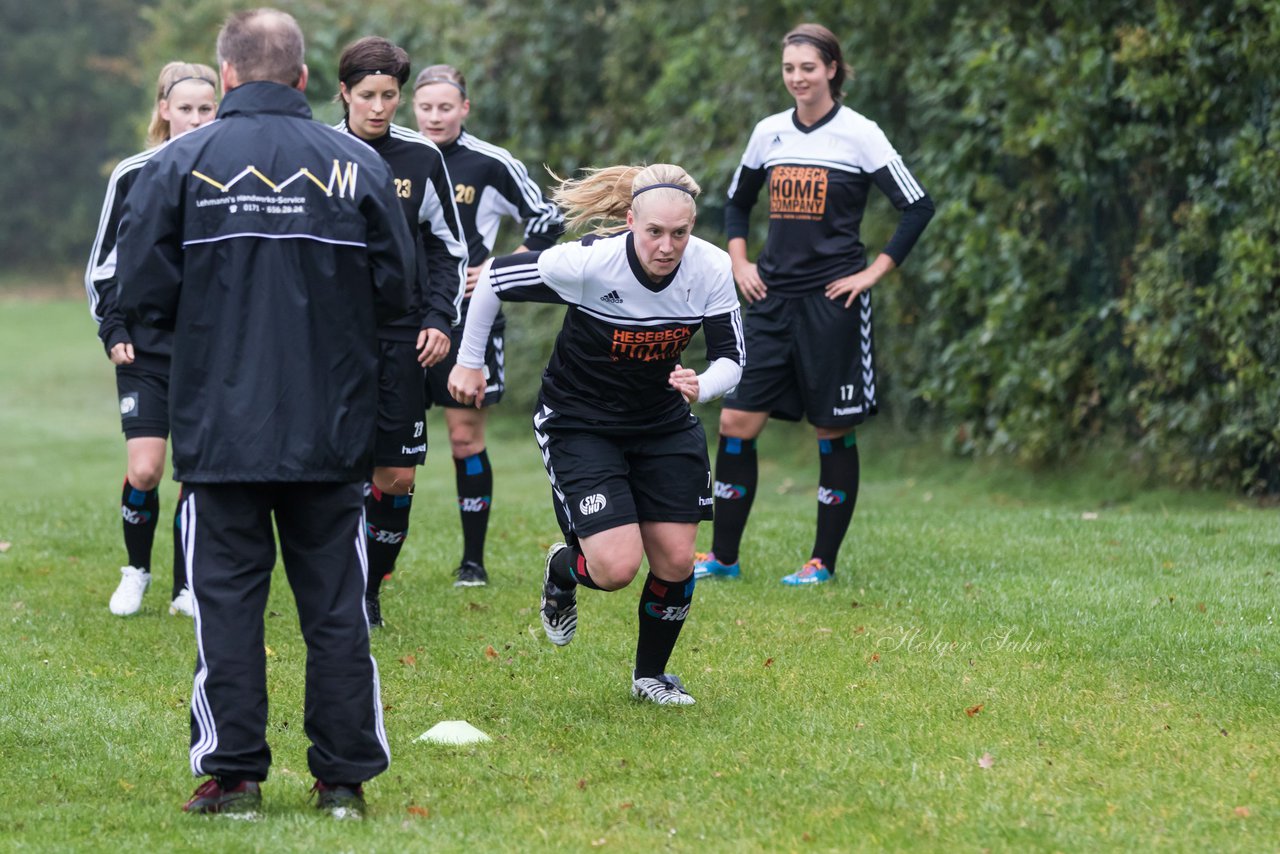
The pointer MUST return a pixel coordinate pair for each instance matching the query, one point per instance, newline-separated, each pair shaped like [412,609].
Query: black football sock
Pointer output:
[179,560]
[737,472]
[663,608]
[387,527]
[569,568]
[474,479]
[140,511]
[837,495]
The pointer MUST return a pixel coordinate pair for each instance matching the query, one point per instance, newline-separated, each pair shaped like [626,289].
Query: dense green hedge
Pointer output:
[1105,256]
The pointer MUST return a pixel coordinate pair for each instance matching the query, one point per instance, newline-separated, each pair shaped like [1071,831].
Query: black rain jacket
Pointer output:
[272,245]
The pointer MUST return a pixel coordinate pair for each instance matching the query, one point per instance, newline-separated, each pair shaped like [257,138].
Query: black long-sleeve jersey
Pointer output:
[488,184]
[624,333]
[426,193]
[819,177]
[152,347]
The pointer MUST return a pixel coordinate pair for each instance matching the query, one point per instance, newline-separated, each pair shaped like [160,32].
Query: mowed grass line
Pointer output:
[1120,673]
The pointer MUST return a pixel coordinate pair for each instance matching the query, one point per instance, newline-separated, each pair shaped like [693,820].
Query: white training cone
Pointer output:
[453,732]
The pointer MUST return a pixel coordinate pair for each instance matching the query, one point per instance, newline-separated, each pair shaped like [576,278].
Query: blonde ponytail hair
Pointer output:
[601,198]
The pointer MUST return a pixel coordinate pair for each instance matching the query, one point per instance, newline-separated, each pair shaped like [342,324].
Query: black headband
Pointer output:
[357,74]
[802,38]
[167,92]
[679,187]
[428,81]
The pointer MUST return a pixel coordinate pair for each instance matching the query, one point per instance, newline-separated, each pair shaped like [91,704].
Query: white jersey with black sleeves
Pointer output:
[818,179]
[623,333]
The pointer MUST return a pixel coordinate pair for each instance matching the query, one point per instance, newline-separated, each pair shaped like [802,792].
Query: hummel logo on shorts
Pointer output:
[612,297]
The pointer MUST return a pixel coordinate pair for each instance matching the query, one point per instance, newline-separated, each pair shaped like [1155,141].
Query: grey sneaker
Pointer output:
[340,800]
[559,608]
[470,574]
[665,690]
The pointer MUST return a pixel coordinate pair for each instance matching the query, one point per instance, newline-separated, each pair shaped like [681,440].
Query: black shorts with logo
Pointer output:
[494,369]
[808,357]
[604,478]
[144,402]
[402,426]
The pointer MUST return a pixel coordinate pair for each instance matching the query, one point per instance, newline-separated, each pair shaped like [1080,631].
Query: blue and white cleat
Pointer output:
[705,565]
[813,572]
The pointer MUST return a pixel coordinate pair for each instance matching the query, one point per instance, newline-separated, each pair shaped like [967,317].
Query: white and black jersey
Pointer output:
[819,177]
[489,184]
[623,333]
[152,347]
[426,193]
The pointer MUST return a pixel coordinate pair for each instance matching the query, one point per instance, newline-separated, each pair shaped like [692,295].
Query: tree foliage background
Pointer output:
[1106,253]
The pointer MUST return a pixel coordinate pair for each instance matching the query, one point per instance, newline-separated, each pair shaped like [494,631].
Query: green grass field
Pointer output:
[1008,661]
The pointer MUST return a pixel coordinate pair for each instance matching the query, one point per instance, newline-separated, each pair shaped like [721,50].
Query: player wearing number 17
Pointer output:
[626,458]
[808,323]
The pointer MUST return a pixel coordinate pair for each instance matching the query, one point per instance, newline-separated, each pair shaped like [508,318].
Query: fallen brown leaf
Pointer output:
[582,784]
[875,656]
[1242,812]
[420,812]
[972,711]
[490,652]
[625,806]
[409,661]
[768,662]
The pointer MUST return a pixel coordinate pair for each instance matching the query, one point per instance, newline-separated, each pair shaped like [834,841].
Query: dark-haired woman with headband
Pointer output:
[626,457]
[371,72]
[808,324]
[489,184]
[186,98]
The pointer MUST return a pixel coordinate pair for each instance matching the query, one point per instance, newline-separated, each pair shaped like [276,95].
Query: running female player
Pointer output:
[808,325]
[626,457]
[186,98]
[371,72]
[489,184]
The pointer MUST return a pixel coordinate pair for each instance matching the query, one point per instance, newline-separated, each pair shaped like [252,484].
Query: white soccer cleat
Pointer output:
[559,607]
[665,690]
[128,596]
[184,603]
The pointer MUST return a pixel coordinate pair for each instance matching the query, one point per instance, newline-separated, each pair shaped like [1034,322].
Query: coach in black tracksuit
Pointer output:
[271,244]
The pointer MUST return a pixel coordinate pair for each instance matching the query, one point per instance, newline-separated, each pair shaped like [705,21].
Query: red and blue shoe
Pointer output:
[813,572]
[705,565]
